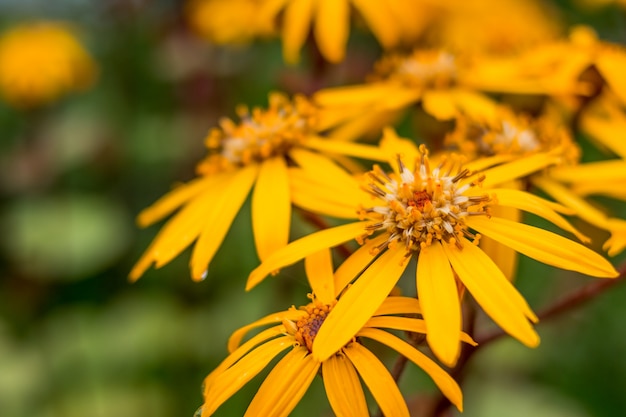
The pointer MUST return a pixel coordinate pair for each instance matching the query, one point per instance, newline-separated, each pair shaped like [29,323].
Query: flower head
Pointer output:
[256,151]
[296,330]
[41,61]
[437,214]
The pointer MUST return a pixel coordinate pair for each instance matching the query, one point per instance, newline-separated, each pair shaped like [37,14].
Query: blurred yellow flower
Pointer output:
[437,215]
[296,330]
[41,61]
[256,151]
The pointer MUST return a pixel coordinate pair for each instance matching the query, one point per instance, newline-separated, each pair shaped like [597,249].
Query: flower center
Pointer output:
[307,327]
[423,68]
[261,134]
[423,205]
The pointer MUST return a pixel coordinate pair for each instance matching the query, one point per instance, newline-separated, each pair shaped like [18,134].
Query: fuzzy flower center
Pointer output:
[423,68]
[306,328]
[422,205]
[260,134]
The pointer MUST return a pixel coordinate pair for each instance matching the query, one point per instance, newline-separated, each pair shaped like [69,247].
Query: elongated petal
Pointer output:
[536,205]
[355,150]
[380,21]
[378,381]
[176,198]
[239,334]
[493,291]
[303,247]
[331,30]
[363,94]
[225,207]
[439,299]
[359,303]
[319,271]
[544,246]
[519,168]
[408,324]
[446,384]
[271,207]
[324,169]
[356,263]
[297,21]
[612,171]
[611,63]
[343,387]
[232,379]
[503,256]
[399,305]
[285,385]
[440,104]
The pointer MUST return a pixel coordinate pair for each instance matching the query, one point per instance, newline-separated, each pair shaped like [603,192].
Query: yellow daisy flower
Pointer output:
[256,151]
[392,22]
[41,61]
[296,330]
[436,215]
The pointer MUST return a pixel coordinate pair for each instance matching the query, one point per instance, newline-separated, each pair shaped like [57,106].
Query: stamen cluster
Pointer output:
[306,328]
[423,205]
[423,68]
[261,133]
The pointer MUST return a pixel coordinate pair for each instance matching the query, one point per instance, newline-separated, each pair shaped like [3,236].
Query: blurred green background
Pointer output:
[77,339]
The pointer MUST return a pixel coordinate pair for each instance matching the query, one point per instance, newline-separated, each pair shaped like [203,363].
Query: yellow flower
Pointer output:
[392,22]
[41,61]
[256,151]
[296,330]
[226,22]
[436,215]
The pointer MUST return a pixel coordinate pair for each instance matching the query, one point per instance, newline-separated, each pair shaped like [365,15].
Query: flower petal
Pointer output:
[271,207]
[519,168]
[331,30]
[359,303]
[319,271]
[217,221]
[378,380]
[228,382]
[439,300]
[446,384]
[493,292]
[544,246]
[355,150]
[303,247]
[399,305]
[343,387]
[296,24]
[380,21]
[356,263]
[285,385]
[235,339]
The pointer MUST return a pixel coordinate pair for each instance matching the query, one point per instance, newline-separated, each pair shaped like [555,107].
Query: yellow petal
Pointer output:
[343,387]
[378,380]
[519,168]
[536,205]
[331,30]
[446,384]
[355,150]
[285,385]
[439,300]
[232,379]
[505,257]
[239,334]
[611,171]
[380,21]
[319,271]
[440,104]
[363,128]
[296,24]
[493,292]
[408,324]
[359,303]
[271,207]
[359,95]
[611,63]
[217,221]
[399,305]
[356,263]
[544,246]
[176,198]
[303,247]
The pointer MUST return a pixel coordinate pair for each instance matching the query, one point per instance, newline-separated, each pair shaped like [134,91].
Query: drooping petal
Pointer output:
[536,205]
[297,21]
[611,63]
[271,207]
[544,246]
[519,168]
[446,384]
[356,263]
[493,292]
[359,303]
[235,339]
[399,305]
[232,379]
[505,257]
[439,300]
[331,29]
[285,385]
[612,170]
[343,387]
[378,381]
[319,271]
[440,104]
[324,169]
[408,324]
[380,21]
[303,247]
[346,96]
[217,221]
